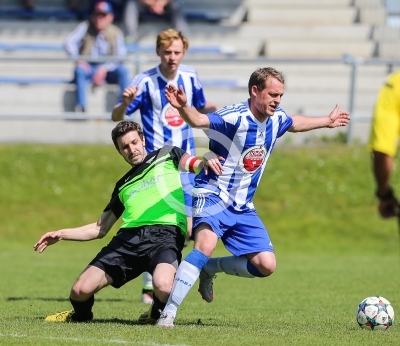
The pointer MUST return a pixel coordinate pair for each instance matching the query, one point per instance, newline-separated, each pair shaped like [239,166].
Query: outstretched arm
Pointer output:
[84,233]
[336,118]
[177,98]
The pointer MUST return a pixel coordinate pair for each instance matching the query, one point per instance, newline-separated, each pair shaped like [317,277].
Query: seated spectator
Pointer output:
[168,9]
[96,38]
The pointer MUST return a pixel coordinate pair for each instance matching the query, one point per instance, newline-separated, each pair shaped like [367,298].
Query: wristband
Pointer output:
[189,163]
[388,195]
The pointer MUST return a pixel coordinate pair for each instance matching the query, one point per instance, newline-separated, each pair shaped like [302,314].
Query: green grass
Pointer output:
[317,203]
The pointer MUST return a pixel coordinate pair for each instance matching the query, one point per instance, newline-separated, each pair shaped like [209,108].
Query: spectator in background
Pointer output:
[97,38]
[171,10]
[383,142]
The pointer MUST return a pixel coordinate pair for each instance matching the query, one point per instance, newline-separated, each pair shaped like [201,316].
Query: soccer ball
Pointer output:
[375,313]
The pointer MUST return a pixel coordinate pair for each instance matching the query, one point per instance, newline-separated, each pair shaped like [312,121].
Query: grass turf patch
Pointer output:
[317,203]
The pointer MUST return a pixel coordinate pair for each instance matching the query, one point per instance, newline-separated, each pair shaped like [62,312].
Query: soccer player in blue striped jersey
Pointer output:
[161,122]
[243,135]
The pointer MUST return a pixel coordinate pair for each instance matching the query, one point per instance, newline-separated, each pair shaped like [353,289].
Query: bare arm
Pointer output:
[336,118]
[177,98]
[119,111]
[382,166]
[193,164]
[209,107]
[87,232]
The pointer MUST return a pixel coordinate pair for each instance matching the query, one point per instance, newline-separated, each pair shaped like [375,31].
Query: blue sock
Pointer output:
[197,259]
[254,271]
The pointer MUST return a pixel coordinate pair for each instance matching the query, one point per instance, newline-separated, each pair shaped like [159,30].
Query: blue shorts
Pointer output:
[242,232]
[187,180]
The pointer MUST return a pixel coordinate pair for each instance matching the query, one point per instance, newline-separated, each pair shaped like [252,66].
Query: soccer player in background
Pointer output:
[149,239]
[383,142]
[244,135]
[162,123]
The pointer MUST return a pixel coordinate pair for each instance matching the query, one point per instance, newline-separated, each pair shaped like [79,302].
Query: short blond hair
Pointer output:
[166,37]
[261,76]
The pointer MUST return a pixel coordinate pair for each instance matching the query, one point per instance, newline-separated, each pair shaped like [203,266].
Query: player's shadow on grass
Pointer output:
[186,323]
[47,299]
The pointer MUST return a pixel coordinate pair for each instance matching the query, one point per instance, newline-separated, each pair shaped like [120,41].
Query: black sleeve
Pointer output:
[177,154]
[115,204]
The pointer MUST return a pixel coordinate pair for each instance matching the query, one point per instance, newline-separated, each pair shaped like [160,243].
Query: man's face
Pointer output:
[267,100]
[131,147]
[102,20]
[171,56]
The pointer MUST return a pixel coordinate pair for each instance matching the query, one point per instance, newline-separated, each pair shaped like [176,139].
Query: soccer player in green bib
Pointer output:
[150,200]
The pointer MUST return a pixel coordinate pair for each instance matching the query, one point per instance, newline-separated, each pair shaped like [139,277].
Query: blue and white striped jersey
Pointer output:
[246,144]
[161,122]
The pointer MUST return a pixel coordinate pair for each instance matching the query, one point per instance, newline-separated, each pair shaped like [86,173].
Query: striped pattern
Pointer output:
[162,124]
[246,145]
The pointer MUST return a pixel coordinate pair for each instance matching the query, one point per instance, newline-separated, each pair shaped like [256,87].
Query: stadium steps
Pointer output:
[321,48]
[205,10]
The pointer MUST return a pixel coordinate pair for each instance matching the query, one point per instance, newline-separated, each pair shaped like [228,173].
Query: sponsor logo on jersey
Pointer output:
[252,159]
[171,118]
[145,184]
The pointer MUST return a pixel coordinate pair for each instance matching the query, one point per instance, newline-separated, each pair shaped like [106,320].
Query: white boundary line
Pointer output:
[103,341]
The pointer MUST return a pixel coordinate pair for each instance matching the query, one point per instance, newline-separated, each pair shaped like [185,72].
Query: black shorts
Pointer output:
[136,250]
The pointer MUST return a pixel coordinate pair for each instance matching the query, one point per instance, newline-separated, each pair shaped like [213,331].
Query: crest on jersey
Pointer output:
[252,159]
[171,118]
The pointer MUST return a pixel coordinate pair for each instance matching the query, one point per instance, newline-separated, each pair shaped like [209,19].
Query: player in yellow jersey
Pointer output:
[385,132]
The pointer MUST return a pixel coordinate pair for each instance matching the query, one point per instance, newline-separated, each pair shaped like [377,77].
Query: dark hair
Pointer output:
[124,127]
[260,77]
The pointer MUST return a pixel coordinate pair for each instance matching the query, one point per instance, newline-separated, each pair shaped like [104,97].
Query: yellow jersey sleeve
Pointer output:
[385,127]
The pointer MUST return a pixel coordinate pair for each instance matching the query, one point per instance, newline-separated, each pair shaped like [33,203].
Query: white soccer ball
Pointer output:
[375,313]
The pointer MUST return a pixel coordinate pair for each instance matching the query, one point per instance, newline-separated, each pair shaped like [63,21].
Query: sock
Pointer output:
[156,307]
[82,310]
[187,274]
[147,281]
[232,265]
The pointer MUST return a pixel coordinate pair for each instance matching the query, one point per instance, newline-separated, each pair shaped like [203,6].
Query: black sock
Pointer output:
[149,292]
[82,310]
[157,305]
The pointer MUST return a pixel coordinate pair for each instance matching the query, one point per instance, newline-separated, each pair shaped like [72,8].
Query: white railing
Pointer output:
[230,82]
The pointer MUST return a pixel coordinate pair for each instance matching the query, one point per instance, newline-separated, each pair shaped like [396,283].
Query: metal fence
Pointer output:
[227,82]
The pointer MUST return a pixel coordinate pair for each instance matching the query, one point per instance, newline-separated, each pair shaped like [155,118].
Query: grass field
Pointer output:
[317,202]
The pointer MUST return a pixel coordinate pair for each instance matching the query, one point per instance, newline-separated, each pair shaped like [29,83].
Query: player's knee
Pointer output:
[265,265]
[268,267]
[81,291]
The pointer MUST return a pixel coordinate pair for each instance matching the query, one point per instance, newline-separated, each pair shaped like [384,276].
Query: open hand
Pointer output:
[176,97]
[47,239]
[338,117]
[213,161]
